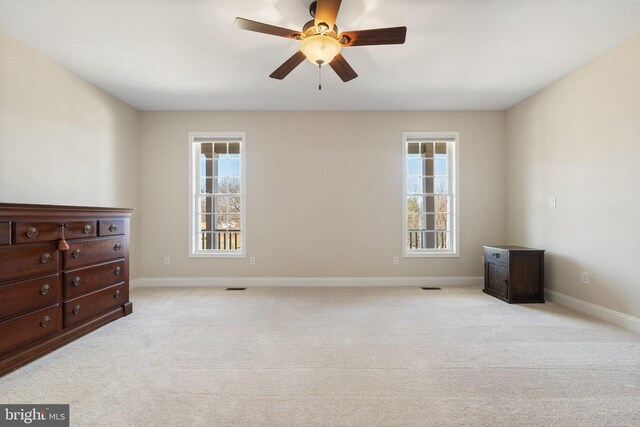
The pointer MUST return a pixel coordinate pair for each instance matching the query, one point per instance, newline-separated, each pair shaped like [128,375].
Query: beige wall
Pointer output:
[324,203]
[62,140]
[579,140]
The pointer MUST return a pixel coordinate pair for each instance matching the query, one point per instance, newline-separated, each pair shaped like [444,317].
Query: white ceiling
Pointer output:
[186,54]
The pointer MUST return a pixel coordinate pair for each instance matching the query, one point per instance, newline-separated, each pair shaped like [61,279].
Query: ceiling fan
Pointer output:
[321,42]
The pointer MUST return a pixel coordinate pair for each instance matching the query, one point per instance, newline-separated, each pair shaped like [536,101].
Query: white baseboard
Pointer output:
[304,281]
[602,313]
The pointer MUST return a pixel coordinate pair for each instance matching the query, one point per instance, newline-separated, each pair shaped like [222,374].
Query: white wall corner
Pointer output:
[597,311]
[305,281]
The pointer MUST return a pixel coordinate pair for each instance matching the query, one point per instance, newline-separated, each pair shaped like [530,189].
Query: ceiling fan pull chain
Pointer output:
[319,76]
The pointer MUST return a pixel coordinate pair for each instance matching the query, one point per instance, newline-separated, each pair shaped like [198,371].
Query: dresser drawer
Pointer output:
[5,233]
[28,260]
[93,251]
[29,232]
[111,227]
[28,328]
[495,255]
[89,279]
[28,295]
[82,308]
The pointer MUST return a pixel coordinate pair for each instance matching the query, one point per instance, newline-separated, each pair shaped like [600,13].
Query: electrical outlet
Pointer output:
[252,260]
[552,202]
[167,260]
[396,261]
[585,277]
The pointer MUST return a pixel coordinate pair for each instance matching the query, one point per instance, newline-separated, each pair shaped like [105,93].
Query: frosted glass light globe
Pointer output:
[320,49]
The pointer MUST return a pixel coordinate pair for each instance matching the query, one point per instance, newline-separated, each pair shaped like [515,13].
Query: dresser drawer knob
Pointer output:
[506,282]
[76,253]
[76,309]
[45,257]
[113,228]
[76,281]
[45,321]
[496,255]
[116,294]
[117,247]
[45,289]
[32,232]
[87,229]
[117,270]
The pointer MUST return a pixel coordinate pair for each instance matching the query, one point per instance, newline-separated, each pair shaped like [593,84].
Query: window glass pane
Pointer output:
[414,185]
[442,221]
[221,222]
[234,222]
[233,204]
[441,185]
[227,185]
[414,239]
[413,148]
[429,240]
[442,240]
[206,205]
[428,167]
[206,185]
[234,150]
[415,205]
[414,166]
[414,221]
[208,222]
[222,204]
[441,148]
[221,167]
[205,241]
[206,150]
[234,168]
[441,167]
[442,203]
[428,185]
[221,148]
[427,149]
[429,204]
[429,222]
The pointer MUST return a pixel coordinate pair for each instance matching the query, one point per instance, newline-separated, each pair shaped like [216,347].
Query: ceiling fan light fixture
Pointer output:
[320,49]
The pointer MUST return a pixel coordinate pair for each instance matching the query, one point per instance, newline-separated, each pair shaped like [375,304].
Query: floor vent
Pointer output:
[236,289]
[431,289]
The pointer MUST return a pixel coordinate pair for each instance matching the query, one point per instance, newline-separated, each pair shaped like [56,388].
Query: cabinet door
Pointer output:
[497,276]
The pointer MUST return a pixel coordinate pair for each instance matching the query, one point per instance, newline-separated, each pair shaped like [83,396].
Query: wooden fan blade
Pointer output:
[326,11]
[288,66]
[259,27]
[394,35]
[342,68]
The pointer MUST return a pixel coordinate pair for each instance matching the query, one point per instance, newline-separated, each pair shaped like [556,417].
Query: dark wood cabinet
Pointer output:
[514,274]
[50,296]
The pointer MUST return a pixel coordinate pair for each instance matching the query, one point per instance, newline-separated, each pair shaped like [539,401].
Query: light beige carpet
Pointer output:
[340,356]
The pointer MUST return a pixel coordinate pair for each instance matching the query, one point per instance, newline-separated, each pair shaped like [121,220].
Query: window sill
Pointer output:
[217,255]
[431,255]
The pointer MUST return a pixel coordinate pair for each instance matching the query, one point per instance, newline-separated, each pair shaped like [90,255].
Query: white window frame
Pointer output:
[194,191]
[453,149]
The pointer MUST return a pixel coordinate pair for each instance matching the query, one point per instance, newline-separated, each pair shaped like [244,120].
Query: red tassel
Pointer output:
[62,244]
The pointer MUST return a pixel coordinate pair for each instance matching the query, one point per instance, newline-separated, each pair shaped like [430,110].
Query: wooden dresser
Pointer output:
[514,274]
[50,296]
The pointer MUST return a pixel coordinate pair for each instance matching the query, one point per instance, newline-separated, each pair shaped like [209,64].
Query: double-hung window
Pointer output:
[217,194]
[430,199]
